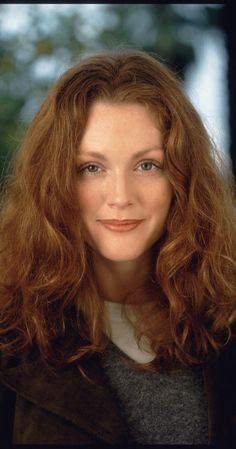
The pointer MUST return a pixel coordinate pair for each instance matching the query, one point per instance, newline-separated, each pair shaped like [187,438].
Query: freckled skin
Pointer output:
[123,186]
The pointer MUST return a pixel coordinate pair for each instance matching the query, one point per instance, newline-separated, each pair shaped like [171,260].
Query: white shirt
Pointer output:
[122,334]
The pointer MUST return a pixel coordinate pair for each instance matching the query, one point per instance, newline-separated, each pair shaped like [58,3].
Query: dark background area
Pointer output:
[227,22]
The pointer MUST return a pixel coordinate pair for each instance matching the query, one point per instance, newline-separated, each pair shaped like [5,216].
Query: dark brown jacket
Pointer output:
[66,408]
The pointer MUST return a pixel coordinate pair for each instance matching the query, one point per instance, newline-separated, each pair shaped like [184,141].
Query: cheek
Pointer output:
[88,198]
[161,196]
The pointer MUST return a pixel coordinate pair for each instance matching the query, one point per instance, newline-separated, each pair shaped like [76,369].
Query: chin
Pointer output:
[121,258]
[125,255]
[123,251]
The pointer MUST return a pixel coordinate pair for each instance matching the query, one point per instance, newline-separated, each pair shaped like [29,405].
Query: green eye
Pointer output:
[92,169]
[148,166]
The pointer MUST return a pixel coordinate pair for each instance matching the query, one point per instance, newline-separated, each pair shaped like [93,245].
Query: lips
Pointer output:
[120,225]
[120,222]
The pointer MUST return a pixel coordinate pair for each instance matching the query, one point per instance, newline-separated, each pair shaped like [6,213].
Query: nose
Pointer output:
[119,192]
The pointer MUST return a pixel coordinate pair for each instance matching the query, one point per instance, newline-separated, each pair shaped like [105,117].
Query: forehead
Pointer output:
[110,111]
[124,124]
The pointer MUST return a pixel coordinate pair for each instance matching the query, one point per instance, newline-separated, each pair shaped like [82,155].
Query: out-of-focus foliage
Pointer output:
[50,38]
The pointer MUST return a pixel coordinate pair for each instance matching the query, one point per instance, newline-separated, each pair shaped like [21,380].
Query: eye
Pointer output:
[92,169]
[149,166]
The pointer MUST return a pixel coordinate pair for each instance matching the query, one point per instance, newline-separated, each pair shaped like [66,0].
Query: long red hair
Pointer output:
[48,293]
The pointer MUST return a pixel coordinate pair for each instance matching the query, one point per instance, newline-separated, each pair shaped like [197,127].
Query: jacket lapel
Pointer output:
[67,393]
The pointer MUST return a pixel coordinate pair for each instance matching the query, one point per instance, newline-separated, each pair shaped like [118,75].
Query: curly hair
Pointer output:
[48,290]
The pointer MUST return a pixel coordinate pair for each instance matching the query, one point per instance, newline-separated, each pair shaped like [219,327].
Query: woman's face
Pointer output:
[121,177]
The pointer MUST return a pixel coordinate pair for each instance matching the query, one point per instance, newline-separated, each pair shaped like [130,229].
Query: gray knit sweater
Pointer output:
[166,408]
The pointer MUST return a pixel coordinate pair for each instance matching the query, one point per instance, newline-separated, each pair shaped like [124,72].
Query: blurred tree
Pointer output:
[154,28]
[52,38]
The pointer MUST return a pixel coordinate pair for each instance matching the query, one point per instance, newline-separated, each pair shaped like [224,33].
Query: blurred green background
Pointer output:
[38,42]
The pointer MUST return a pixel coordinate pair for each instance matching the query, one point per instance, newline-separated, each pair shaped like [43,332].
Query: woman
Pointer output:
[117,265]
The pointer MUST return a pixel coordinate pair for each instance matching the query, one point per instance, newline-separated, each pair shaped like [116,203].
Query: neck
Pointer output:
[116,279]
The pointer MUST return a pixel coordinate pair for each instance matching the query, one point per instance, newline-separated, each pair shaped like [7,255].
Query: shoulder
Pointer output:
[223,369]
[19,371]
[13,361]
[227,356]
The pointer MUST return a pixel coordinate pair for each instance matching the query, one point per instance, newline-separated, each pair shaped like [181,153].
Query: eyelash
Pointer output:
[83,168]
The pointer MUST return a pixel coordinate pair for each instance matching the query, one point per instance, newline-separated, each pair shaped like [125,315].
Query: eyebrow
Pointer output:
[104,158]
